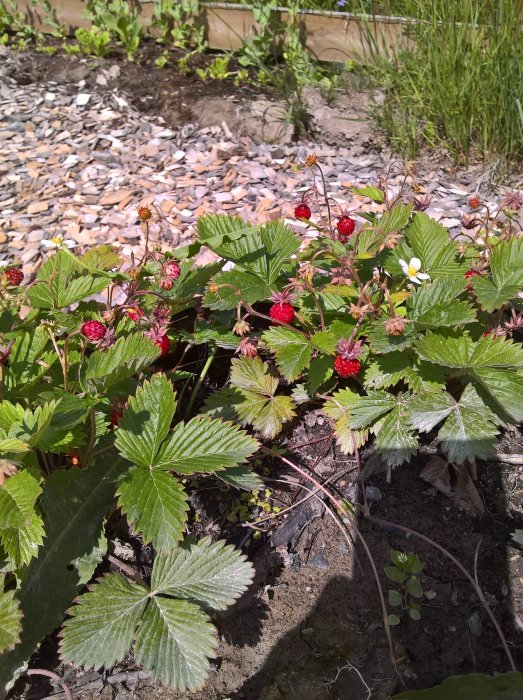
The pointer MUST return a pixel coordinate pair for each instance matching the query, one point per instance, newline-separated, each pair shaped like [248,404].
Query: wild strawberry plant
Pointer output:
[397,330]
[96,420]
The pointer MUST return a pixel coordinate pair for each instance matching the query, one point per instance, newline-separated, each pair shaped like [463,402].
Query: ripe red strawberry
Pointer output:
[172,269]
[345,226]
[93,330]
[282,313]
[14,276]
[346,368]
[164,344]
[115,417]
[474,202]
[302,211]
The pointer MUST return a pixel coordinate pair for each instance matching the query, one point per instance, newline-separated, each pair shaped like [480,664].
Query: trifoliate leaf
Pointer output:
[146,421]
[102,625]
[208,573]
[10,621]
[156,505]
[233,286]
[292,349]
[266,414]
[205,445]
[174,641]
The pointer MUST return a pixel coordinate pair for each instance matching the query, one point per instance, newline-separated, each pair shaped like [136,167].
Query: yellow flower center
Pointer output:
[57,240]
[412,271]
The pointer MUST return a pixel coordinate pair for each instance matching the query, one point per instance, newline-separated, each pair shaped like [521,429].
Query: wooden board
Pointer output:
[329,37]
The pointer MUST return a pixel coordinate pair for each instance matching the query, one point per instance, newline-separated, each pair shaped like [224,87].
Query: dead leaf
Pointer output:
[436,472]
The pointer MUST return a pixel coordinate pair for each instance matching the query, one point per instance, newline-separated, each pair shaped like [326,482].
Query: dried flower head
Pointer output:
[109,315]
[421,203]
[285,297]
[248,347]
[349,349]
[512,201]
[162,314]
[311,161]
[241,328]
[395,325]
[144,213]
[470,222]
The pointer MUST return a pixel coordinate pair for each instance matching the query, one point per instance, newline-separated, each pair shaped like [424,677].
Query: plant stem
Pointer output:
[92,438]
[54,677]
[60,358]
[199,383]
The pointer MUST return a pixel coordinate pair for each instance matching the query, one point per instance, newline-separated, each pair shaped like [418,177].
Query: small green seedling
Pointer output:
[406,567]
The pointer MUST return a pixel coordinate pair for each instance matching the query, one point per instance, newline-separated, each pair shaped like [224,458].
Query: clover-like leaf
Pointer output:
[211,574]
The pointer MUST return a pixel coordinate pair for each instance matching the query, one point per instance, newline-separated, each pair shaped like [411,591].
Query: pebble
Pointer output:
[319,562]
[373,493]
[475,624]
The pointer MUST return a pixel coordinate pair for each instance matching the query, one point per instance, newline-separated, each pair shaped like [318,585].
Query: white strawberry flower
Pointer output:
[412,270]
[58,241]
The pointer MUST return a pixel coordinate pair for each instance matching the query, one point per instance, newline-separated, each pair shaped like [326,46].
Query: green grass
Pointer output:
[460,85]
